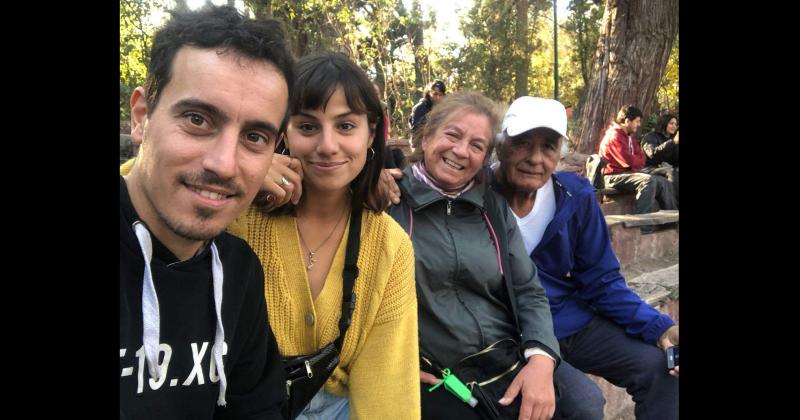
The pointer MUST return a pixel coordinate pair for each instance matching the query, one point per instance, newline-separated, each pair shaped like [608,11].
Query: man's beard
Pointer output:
[193,230]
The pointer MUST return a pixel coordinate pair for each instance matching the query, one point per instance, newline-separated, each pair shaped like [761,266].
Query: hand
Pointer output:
[387,186]
[274,192]
[667,340]
[535,381]
[676,137]
[427,378]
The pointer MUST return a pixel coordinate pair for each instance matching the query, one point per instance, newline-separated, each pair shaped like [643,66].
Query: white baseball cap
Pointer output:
[527,113]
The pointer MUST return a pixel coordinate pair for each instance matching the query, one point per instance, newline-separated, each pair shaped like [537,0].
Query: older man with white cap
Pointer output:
[603,327]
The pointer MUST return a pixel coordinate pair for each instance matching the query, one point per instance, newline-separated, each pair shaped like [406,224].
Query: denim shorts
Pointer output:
[325,406]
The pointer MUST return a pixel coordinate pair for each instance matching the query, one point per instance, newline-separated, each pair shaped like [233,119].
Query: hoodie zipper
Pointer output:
[449,207]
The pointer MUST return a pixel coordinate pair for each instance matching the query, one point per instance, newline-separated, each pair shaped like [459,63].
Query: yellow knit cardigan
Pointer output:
[379,366]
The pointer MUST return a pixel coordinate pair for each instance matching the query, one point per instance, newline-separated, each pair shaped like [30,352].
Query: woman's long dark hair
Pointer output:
[663,122]
[318,76]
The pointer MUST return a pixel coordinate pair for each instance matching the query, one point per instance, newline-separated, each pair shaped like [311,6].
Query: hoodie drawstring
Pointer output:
[219,336]
[150,311]
[151,317]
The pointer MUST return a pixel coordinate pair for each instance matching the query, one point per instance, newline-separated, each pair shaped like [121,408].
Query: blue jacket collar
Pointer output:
[566,186]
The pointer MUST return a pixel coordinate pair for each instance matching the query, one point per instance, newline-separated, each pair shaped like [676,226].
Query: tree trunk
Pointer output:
[633,49]
[522,61]
[301,40]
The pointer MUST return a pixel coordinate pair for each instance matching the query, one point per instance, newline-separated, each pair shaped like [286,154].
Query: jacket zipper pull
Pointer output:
[449,207]
[308,369]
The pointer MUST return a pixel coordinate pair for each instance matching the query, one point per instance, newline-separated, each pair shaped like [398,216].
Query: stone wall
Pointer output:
[402,144]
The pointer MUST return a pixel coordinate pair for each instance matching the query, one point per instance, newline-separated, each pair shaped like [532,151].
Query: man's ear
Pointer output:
[138,114]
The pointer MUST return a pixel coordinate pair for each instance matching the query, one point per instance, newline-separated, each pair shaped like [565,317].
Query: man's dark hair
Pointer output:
[220,27]
[318,76]
[627,111]
[663,122]
[438,84]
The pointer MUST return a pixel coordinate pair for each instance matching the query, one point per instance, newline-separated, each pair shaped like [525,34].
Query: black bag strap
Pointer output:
[349,274]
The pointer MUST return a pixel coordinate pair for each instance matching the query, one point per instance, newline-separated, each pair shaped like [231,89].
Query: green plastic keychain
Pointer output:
[456,387]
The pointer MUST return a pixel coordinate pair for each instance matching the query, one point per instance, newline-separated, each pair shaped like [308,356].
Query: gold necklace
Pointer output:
[312,253]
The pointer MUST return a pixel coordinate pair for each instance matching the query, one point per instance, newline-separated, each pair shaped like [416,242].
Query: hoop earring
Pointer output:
[373,154]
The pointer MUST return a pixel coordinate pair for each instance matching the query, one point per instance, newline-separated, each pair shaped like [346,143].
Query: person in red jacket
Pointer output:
[625,160]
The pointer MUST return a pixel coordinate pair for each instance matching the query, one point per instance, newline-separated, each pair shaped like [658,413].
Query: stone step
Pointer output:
[632,247]
[617,204]
[658,218]
[403,144]
[657,283]
[658,286]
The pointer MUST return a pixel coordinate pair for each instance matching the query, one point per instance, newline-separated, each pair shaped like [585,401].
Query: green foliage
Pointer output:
[398,49]
[319,25]
[668,92]
[584,26]
[385,39]
[136,29]
[485,63]
[541,80]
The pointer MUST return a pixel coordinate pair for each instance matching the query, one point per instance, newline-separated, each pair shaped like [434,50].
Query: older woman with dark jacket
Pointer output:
[478,292]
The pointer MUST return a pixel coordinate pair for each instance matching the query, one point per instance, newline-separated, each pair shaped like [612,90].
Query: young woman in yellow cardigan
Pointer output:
[336,131]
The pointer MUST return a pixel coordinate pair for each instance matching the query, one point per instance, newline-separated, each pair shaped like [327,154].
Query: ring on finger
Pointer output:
[285,182]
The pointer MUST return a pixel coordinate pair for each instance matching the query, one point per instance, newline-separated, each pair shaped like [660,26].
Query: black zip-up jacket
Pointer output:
[190,387]
[419,114]
[659,148]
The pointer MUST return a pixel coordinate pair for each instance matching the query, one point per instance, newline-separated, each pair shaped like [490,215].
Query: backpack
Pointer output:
[594,171]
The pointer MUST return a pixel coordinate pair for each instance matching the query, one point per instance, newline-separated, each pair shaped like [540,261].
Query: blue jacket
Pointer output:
[579,270]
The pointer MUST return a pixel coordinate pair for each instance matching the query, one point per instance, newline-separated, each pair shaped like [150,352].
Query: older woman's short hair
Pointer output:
[459,103]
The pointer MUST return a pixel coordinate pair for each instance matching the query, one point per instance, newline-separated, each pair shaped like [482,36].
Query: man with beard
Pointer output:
[194,338]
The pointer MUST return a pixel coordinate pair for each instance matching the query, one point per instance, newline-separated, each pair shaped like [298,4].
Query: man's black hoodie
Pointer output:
[189,386]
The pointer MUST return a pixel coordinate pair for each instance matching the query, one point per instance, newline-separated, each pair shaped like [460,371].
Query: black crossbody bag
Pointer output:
[305,375]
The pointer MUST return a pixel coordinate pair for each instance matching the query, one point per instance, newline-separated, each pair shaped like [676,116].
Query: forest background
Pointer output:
[610,52]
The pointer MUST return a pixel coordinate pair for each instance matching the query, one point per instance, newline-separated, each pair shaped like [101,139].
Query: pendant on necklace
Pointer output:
[311,261]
